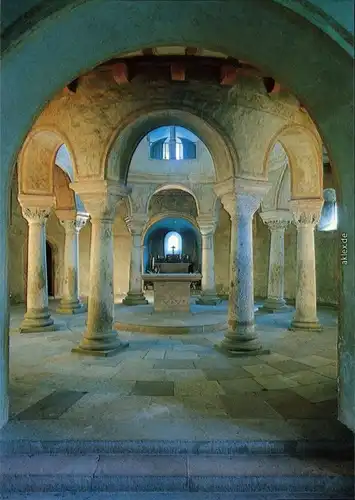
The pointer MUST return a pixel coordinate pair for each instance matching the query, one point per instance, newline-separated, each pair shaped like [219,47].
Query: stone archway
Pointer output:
[125,140]
[240,27]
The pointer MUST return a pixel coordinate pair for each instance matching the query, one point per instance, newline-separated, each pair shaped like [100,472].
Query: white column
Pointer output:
[208,284]
[36,211]
[241,201]
[306,214]
[100,199]
[72,223]
[135,294]
[277,221]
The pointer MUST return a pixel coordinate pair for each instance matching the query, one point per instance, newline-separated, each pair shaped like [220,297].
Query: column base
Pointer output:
[38,320]
[314,326]
[71,307]
[207,299]
[100,347]
[274,306]
[134,299]
[241,340]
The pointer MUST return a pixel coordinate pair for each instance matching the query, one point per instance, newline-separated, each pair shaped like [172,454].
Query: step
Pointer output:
[323,448]
[209,473]
[124,495]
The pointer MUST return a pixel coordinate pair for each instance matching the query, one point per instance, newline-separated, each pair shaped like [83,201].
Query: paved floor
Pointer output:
[174,387]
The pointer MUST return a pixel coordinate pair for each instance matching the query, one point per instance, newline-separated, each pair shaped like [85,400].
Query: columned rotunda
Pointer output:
[178,256]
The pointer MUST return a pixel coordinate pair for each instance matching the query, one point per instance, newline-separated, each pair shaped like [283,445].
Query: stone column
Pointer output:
[277,221]
[135,294]
[208,284]
[306,214]
[100,199]
[241,198]
[72,223]
[36,210]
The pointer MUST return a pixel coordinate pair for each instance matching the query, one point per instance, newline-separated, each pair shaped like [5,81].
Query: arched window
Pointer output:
[178,150]
[329,216]
[173,145]
[173,243]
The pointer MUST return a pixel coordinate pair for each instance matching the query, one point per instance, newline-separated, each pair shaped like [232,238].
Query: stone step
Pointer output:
[129,495]
[322,448]
[209,473]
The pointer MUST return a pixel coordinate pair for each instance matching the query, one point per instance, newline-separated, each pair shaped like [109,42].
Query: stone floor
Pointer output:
[174,386]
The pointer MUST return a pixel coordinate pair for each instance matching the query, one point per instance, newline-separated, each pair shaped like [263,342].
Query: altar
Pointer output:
[172,290]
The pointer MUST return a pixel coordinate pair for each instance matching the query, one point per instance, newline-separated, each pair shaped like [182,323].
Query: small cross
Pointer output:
[173,249]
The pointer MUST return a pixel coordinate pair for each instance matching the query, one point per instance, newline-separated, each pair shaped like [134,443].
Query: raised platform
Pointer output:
[145,320]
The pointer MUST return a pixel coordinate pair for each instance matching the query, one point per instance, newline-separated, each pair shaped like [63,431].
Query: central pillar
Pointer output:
[208,284]
[100,199]
[306,214]
[277,221]
[241,200]
[135,294]
[72,223]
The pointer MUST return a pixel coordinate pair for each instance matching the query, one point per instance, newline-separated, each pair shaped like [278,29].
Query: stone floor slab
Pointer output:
[314,360]
[288,366]
[226,374]
[317,393]
[174,364]
[251,406]
[306,377]
[241,385]
[153,388]
[52,406]
[272,382]
[261,370]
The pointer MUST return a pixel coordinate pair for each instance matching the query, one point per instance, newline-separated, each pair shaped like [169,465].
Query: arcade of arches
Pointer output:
[191,142]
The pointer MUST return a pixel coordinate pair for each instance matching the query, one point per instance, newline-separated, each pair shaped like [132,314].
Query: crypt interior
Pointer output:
[174,259]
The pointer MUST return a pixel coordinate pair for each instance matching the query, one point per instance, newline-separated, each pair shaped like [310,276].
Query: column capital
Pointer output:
[136,223]
[36,209]
[276,219]
[207,225]
[306,212]
[241,196]
[72,220]
[100,197]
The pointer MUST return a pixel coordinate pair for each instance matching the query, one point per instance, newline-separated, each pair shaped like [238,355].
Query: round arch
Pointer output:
[36,161]
[136,126]
[304,152]
[168,215]
[175,186]
[241,29]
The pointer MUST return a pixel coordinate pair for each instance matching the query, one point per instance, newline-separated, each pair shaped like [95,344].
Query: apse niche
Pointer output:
[172,245]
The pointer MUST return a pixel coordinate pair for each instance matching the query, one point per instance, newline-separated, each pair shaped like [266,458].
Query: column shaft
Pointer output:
[306,295]
[37,317]
[99,337]
[241,198]
[208,284]
[100,199]
[306,215]
[277,222]
[70,303]
[135,294]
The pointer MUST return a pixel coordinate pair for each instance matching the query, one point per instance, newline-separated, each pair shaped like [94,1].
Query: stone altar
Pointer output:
[172,291]
[172,267]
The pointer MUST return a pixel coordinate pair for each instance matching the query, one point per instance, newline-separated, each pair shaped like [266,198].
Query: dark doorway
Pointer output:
[50,269]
